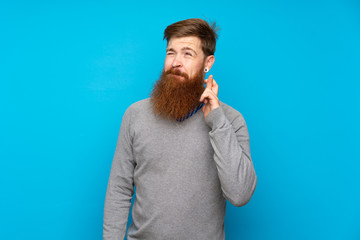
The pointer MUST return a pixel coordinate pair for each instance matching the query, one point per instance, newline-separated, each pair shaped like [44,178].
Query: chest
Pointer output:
[168,148]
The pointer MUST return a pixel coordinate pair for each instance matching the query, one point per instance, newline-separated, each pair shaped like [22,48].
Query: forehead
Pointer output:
[192,42]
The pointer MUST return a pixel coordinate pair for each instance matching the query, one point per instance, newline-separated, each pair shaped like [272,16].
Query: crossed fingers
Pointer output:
[211,90]
[209,96]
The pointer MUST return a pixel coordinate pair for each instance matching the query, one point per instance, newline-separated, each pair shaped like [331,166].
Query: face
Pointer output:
[185,54]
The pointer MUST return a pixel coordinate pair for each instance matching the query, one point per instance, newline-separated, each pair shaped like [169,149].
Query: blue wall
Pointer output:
[69,70]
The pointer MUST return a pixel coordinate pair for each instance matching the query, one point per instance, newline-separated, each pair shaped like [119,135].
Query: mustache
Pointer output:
[176,72]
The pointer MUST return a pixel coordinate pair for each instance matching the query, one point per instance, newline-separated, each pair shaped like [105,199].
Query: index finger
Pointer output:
[209,82]
[215,87]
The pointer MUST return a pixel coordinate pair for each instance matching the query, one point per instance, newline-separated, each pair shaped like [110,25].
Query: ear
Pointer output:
[209,61]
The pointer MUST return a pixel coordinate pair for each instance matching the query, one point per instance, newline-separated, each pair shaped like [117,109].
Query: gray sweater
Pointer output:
[182,172]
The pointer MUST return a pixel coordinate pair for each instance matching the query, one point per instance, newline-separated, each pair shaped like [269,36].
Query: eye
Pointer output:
[170,53]
[188,54]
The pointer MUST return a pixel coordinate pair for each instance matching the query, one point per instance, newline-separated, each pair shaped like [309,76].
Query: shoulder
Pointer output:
[232,114]
[138,112]
[138,107]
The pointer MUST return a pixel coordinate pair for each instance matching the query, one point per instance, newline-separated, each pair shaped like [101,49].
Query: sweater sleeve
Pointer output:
[120,186]
[231,144]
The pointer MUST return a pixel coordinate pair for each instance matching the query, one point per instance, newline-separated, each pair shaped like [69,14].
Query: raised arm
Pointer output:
[230,141]
[120,186]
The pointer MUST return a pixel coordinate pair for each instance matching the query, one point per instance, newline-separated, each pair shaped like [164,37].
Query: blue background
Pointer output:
[69,70]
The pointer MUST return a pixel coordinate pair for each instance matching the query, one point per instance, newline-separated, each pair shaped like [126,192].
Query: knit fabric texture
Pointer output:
[183,172]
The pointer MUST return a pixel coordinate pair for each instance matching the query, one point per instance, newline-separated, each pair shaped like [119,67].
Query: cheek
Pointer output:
[197,68]
[167,64]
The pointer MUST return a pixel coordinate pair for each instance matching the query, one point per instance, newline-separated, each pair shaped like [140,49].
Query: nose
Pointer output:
[176,62]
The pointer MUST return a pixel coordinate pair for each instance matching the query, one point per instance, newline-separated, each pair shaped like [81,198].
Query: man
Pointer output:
[184,163]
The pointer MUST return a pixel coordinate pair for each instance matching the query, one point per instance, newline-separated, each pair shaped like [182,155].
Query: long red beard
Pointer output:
[174,98]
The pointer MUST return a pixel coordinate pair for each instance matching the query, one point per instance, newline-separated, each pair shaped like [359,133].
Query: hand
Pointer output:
[209,96]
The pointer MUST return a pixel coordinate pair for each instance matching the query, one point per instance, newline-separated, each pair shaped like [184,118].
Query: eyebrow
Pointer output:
[182,49]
